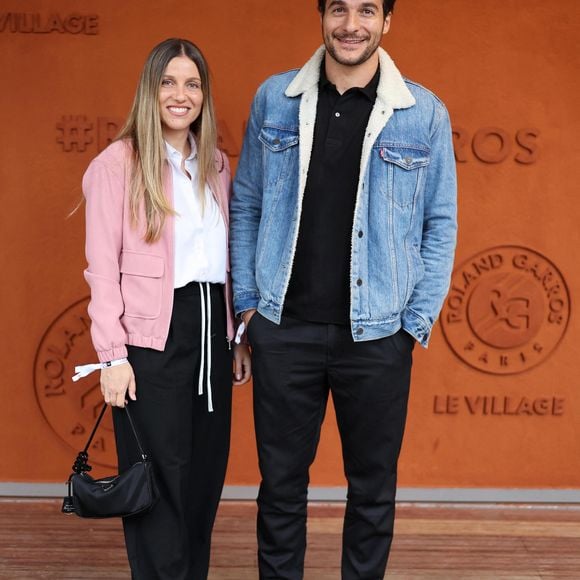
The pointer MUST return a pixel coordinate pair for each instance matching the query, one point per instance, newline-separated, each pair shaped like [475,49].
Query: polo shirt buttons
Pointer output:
[337,114]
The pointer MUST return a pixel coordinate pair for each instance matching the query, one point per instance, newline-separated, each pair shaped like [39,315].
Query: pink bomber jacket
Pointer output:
[131,281]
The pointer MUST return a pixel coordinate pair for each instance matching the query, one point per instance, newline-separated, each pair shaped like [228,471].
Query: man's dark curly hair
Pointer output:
[388,6]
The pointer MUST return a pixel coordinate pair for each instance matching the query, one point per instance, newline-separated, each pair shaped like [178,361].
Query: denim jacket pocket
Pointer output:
[276,139]
[280,154]
[141,284]
[405,165]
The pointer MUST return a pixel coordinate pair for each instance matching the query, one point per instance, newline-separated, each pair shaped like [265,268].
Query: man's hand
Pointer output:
[242,364]
[247,316]
[116,383]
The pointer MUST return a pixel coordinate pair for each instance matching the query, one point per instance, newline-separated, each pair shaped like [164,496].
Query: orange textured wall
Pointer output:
[495,399]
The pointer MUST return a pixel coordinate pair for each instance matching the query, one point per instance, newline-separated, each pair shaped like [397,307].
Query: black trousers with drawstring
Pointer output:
[188,444]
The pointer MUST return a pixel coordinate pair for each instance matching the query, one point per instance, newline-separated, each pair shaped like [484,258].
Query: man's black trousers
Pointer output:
[296,364]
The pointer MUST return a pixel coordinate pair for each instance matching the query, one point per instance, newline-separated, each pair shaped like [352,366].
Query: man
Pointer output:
[342,238]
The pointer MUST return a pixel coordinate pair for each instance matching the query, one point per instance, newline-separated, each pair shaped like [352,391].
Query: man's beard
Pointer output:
[367,53]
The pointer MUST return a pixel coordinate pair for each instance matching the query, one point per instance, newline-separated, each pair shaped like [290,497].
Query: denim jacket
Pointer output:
[404,230]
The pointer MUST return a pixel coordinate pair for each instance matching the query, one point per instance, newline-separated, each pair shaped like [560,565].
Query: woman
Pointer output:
[157,252]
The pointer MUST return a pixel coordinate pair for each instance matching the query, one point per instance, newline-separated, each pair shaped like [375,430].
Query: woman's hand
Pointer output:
[242,364]
[116,383]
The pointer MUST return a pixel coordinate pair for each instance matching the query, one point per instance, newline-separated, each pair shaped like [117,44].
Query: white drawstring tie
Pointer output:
[205,369]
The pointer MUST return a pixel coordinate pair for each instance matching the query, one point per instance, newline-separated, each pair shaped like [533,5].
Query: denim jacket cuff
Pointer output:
[245,301]
[416,326]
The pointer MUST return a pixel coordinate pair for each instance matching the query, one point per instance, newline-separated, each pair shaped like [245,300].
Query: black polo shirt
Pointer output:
[319,289]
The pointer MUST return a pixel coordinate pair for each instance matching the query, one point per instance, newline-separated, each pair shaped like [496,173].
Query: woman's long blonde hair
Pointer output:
[143,130]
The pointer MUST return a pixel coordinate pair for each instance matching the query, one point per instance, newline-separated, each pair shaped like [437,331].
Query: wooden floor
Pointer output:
[431,542]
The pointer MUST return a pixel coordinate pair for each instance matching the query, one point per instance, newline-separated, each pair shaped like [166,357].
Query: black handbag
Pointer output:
[130,493]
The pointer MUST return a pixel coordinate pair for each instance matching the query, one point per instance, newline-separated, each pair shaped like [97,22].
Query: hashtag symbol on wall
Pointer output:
[75,132]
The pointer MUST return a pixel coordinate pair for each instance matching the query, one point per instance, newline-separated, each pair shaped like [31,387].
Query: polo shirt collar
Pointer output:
[369,90]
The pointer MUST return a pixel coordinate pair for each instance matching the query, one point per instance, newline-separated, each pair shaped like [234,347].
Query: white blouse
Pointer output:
[200,238]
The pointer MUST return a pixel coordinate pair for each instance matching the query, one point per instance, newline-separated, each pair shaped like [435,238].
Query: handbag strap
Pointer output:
[104,408]
[81,464]
[143,454]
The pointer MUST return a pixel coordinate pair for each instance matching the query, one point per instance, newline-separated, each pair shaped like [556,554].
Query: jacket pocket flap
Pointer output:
[405,157]
[278,139]
[137,264]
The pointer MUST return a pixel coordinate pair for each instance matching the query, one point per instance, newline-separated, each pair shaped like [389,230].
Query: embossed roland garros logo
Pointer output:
[71,409]
[507,310]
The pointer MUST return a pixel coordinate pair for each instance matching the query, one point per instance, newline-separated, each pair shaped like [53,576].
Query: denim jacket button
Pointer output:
[359,330]
[359,282]
[276,141]
[360,234]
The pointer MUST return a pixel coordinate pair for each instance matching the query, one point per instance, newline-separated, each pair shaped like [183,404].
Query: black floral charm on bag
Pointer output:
[127,494]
